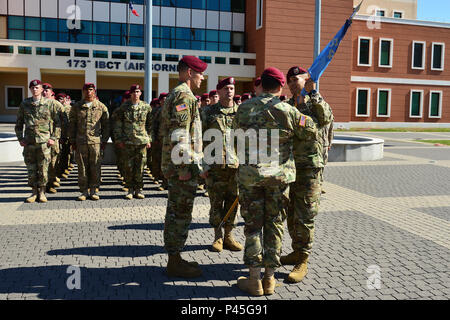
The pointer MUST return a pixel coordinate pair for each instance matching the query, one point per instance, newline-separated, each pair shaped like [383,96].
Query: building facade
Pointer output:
[388,71]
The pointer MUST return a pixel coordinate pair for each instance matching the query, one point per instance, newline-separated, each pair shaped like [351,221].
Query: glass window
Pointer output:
[416,103]
[15,22]
[168,32]
[212,4]
[62,52]
[380,13]
[259,14]
[383,102]
[225,36]
[183,33]
[137,56]
[136,30]
[136,42]
[199,34]
[183,44]
[63,37]
[362,100]
[198,4]
[235,61]
[385,58]
[156,57]
[398,15]
[418,52]
[14,96]
[212,46]
[238,6]
[101,39]
[62,25]
[101,28]
[225,5]
[168,3]
[43,51]
[224,47]
[156,2]
[6,49]
[437,56]
[16,34]
[364,51]
[220,60]
[183,3]
[435,104]
[167,43]
[24,50]
[205,59]
[117,29]
[156,43]
[32,35]
[172,57]
[49,24]
[100,54]
[119,55]
[212,35]
[83,38]
[49,36]
[32,23]
[81,53]
[197,45]
[86,27]
[156,32]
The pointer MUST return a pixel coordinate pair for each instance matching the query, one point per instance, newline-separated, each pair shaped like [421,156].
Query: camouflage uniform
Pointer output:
[42,122]
[305,192]
[88,127]
[117,150]
[327,138]
[64,159]
[264,187]
[180,111]
[156,150]
[221,180]
[131,127]
[55,150]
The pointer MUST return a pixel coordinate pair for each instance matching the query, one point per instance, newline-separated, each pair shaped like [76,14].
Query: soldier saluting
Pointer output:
[42,123]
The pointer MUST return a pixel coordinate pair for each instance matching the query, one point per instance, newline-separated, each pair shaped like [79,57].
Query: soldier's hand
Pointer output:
[50,142]
[185,177]
[22,143]
[149,145]
[310,85]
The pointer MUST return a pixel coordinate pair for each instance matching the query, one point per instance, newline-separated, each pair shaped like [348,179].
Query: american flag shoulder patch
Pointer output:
[181,107]
[302,122]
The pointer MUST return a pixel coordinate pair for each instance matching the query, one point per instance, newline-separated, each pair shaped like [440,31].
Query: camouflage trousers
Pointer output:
[222,189]
[264,211]
[89,162]
[180,204]
[134,159]
[53,164]
[303,207]
[155,164]
[64,158]
[119,159]
[37,159]
[325,161]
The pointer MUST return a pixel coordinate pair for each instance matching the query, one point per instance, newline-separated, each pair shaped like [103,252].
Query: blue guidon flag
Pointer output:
[323,60]
[133,10]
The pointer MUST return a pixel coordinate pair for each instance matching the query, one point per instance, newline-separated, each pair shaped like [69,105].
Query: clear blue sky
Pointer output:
[433,10]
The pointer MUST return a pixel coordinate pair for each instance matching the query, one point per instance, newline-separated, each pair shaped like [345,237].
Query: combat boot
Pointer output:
[229,242]
[57,179]
[71,165]
[291,259]
[94,196]
[138,194]
[65,176]
[217,245]
[83,196]
[33,197]
[268,282]
[129,196]
[300,270]
[125,189]
[56,184]
[67,171]
[51,190]
[253,284]
[177,267]
[42,197]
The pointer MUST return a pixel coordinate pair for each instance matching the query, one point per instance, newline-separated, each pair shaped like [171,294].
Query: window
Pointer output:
[220,60]
[235,61]
[137,56]
[386,52]
[24,50]
[100,54]
[44,51]
[259,14]
[62,52]
[365,52]
[6,49]
[118,55]
[384,103]
[398,14]
[14,96]
[435,104]
[81,53]
[362,102]
[418,55]
[380,13]
[416,103]
[437,56]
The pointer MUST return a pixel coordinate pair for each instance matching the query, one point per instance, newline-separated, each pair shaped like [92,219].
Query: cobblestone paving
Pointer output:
[391,214]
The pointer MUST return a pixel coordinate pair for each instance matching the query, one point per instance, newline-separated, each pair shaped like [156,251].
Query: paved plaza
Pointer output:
[383,232]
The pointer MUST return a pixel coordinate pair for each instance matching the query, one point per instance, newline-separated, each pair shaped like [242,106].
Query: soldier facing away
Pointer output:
[42,124]
[180,116]
[305,192]
[88,132]
[221,177]
[264,184]
[132,130]
[63,168]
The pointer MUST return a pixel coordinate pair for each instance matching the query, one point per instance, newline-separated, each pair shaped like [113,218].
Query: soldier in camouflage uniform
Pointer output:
[88,133]
[53,180]
[64,157]
[180,115]
[257,87]
[42,123]
[131,134]
[157,137]
[264,183]
[221,175]
[327,136]
[213,97]
[305,192]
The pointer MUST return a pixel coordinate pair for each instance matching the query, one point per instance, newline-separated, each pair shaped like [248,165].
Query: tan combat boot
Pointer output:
[94,196]
[217,245]
[65,175]
[229,242]
[291,259]
[268,282]
[177,267]
[300,270]
[129,196]
[33,197]
[56,184]
[138,194]
[125,189]
[83,196]
[42,197]
[253,284]
[51,190]
[57,180]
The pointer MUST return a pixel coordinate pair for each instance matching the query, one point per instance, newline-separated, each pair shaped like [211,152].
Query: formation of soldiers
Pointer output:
[268,193]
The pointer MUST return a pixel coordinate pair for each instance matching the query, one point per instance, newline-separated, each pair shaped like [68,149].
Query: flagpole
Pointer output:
[148,51]
[128,25]
[317,32]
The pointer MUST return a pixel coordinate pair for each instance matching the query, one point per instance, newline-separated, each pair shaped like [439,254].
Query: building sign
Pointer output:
[119,65]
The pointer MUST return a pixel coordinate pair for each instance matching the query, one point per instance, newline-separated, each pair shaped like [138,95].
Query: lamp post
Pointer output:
[317,32]
[148,51]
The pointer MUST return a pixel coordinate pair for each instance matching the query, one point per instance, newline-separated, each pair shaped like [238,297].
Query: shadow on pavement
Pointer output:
[160,226]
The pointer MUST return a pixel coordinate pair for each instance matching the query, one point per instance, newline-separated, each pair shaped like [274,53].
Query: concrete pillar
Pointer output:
[163,83]
[90,75]
[34,73]
[213,78]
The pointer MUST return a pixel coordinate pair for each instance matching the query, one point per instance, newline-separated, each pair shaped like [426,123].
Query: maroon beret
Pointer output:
[213,93]
[225,82]
[126,95]
[205,96]
[134,87]
[296,70]
[198,98]
[88,86]
[47,86]
[35,83]
[275,74]
[154,102]
[237,97]
[60,95]
[246,96]
[163,95]
[195,63]
[257,82]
